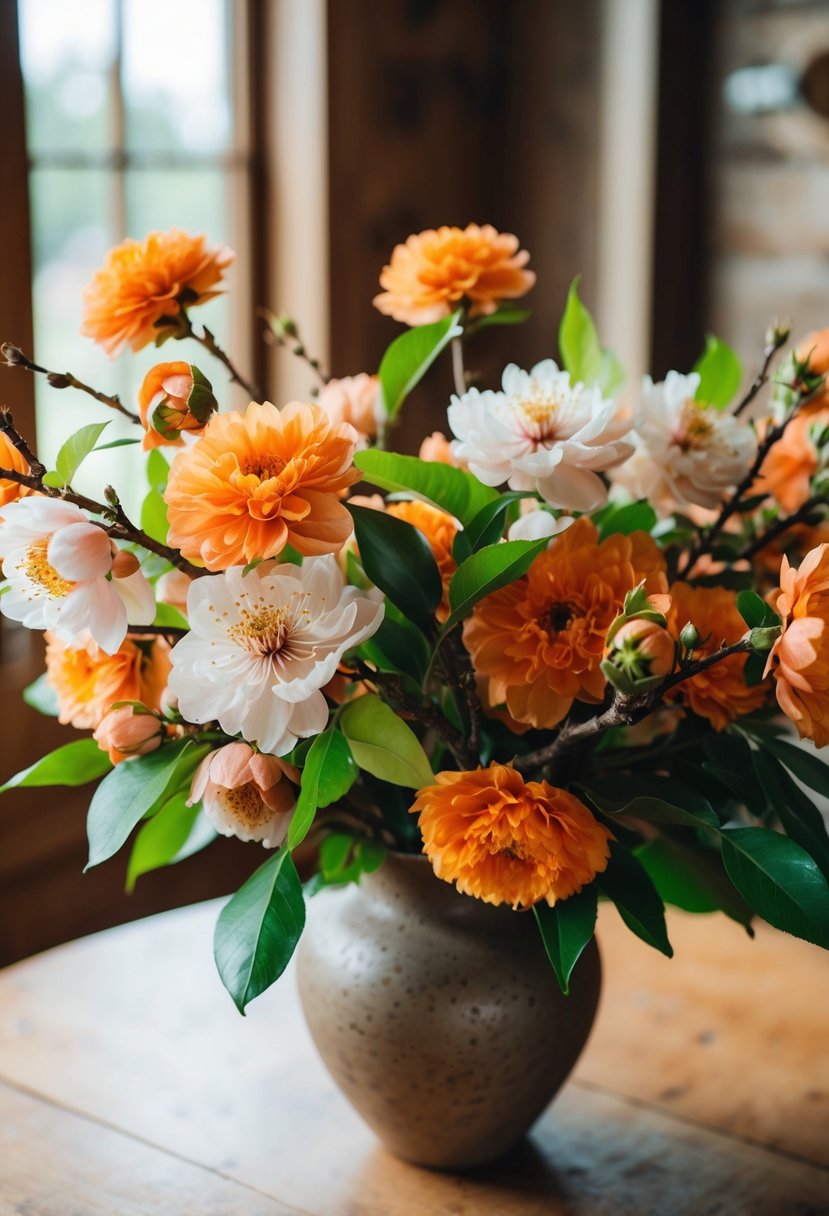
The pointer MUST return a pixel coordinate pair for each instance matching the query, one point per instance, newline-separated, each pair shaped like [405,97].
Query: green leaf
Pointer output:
[329,773]
[342,860]
[486,571]
[75,450]
[487,526]
[626,883]
[41,696]
[453,490]
[410,356]
[507,314]
[162,838]
[779,880]
[632,517]
[611,374]
[804,764]
[75,763]
[258,929]
[397,558]
[384,745]
[565,930]
[397,646]
[158,470]
[132,790]
[166,614]
[657,800]
[691,876]
[720,373]
[581,351]
[799,816]
[755,611]
[115,443]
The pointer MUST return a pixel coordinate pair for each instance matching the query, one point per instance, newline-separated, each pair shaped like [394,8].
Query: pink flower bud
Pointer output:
[123,732]
[246,793]
[124,564]
[644,648]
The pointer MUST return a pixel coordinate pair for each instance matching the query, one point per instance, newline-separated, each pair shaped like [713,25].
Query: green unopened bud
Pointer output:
[283,326]
[763,637]
[689,637]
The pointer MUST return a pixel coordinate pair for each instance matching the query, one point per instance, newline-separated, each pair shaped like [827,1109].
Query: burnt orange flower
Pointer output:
[11,459]
[88,681]
[440,530]
[721,693]
[257,481]
[507,841]
[540,640]
[815,348]
[787,471]
[435,270]
[799,659]
[138,295]
[174,397]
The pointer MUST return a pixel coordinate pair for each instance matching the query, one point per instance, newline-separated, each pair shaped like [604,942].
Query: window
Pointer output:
[136,120]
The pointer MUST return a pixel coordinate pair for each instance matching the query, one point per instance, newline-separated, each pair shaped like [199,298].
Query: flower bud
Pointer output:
[246,793]
[763,637]
[174,397]
[124,564]
[58,380]
[128,730]
[689,637]
[777,335]
[643,649]
[13,355]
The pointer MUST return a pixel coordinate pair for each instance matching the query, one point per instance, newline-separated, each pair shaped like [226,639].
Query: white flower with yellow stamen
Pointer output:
[262,645]
[63,574]
[687,452]
[541,433]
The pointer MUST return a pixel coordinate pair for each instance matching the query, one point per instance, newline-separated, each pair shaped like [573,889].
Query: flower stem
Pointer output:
[14,357]
[458,370]
[781,526]
[284,332]
[208,340]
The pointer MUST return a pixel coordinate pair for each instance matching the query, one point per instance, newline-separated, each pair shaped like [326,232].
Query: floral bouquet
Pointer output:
[560,654]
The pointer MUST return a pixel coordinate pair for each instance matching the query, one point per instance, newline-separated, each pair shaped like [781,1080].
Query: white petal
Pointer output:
[138,598]
[80,551]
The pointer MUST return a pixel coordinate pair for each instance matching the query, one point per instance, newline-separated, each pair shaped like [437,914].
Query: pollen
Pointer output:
[245,804]
[263,467]
[37,568]
[262,631]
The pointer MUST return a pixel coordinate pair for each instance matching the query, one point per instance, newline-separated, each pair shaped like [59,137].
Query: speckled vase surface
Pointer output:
[437,1015]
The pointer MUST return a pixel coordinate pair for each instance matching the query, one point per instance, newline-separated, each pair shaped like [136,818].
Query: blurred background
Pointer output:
[676,155]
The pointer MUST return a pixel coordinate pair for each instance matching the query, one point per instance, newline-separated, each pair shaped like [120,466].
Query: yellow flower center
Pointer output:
[261,631]
[695,426]
[36,567]
[263,467]
[245,802]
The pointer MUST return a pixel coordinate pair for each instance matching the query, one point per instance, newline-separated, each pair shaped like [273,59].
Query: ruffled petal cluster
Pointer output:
[541,433]
[786,473]
[539,642]
[507,841]
[721,693]
[12,460]
[262,645]
[436,270]
[246,794]
[686,452]
[87,681]
[799,660]
[355,400]
[61,573]
[255,482]
[141,290]
[174,397]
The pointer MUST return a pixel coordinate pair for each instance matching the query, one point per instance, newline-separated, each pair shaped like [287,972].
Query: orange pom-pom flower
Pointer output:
[799,659]
[87,681]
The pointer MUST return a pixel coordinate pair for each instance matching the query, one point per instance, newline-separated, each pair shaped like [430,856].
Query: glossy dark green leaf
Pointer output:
[657,800]
[720,373]
[328,774]
[565,930]
[626,883]
[755,611]
[74,763]
[451,489]
[487,526]
[258,929]
[410,356]
[691,876]
[133,789]
[486,571]
[397,558]
[779,880]
[161,839]
[803,762]
[383,745]
[799,816]
[397,646]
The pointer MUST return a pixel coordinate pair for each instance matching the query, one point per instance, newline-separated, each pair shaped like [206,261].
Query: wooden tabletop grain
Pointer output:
[129,1086]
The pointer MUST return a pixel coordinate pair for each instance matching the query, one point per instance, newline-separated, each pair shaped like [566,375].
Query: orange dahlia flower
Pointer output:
[787,471]
[11,459]
[435,270]
[721,693]
[88,681]
[138,295]
[540,640]
[440,530]
[507,841]
[799,659]
[257,481]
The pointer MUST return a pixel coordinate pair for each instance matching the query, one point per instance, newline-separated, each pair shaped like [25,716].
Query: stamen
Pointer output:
[36,566]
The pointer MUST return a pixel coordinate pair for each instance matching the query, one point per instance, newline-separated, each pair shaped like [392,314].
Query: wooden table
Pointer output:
[129,1085]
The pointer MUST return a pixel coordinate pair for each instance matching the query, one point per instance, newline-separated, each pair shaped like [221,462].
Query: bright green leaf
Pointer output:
[565,930]
[506,314]
[581,351]
[780,881]
[410,356]
[162,838]
[626,883]
[720,373]
[632,517]
[154,516]
[132,790]
[258,929]
[329,773]
[75,763]
[486,571]
[453,490]
[166,614]
[76,449]
[116,443]
[384,745]
[398,559]
[158,469]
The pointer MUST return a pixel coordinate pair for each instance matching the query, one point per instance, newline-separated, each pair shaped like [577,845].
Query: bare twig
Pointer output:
[458,370]
[777,338]
[461,675]
[284,332]
[14,357]
[208,341]
[781,526]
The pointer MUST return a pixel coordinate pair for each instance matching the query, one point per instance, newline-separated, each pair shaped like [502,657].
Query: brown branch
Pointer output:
[14,357]
[622,711]
[283,331]
[460,673]
[781,526]
[778,338]
[208,341]
[157,631]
